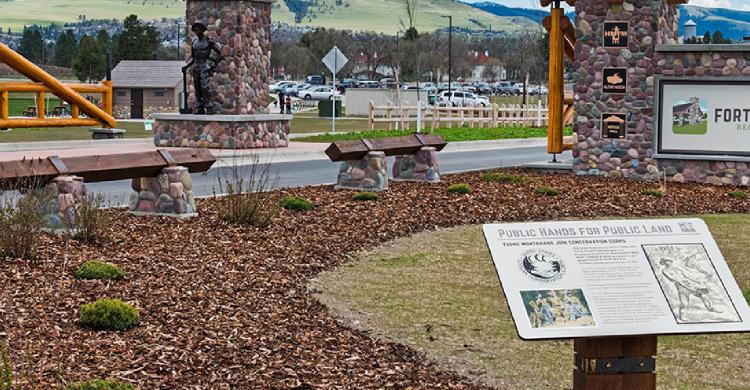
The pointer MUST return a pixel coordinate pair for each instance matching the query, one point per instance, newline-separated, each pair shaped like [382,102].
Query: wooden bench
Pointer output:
[364,166]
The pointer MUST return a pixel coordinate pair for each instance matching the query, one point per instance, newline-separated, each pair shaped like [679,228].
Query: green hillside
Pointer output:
[386,16]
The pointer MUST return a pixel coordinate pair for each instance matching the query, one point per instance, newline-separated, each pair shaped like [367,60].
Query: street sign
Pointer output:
[335,60]
[579,279]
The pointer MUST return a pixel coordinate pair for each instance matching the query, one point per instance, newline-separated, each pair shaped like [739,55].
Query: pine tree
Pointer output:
[707,37]
[137,41]
[66,49]
[105,41]
[32,46]
[90,66]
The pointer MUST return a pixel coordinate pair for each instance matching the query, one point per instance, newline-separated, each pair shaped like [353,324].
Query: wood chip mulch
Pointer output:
[227,307]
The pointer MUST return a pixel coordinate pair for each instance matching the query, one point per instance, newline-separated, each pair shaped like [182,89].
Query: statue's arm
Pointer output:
[217,49]
[190,61]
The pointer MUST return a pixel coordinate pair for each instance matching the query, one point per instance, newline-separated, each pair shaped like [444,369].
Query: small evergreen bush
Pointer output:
[459,188]
[99,384]
[365,196]
[738,194]
[547,191]
[295,203]
[498,177]
[109,314]
[99,270]
[653,192]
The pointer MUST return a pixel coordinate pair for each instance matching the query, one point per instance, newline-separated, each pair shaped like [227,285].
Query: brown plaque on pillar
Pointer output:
[614,125]
[616,34]
[615,363]
[615,80]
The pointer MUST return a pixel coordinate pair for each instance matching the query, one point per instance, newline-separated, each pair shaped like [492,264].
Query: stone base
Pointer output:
[102,133]
[728,173]
[221,131]
[169,193]
[370,173]
[175,216]
[57,201]
[421,166]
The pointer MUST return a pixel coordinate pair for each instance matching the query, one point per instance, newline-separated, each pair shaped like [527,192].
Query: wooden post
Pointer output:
[494,115]
[370,116]
[615,363]
[556,83]
[40,110]
[388,109]
[107,97]
[4,103]
[75,112]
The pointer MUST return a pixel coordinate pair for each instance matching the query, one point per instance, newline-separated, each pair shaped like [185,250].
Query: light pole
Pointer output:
[450,53]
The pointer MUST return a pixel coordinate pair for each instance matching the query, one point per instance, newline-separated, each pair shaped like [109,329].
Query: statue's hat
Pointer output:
[199,26]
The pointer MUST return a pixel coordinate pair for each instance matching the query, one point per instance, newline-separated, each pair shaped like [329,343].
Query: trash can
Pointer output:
[326,106]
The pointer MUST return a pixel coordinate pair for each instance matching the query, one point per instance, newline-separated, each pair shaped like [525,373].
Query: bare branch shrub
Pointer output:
[90,219]
[249,199]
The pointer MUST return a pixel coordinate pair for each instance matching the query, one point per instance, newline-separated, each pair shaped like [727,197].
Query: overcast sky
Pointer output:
[732,4]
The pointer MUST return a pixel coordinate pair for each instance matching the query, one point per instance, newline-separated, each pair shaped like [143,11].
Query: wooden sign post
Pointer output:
[615,363]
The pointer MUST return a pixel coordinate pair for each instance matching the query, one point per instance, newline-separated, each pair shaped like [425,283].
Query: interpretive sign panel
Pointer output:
[704,117]
[615,278]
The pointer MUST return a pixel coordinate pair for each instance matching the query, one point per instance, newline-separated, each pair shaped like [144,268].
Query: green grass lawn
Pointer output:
[455,134]
[439,293]
[16,107]
[691,129]
[135,130]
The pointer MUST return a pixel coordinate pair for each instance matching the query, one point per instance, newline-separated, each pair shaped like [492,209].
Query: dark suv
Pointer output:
[316,80]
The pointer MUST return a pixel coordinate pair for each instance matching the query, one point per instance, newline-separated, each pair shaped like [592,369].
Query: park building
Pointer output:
[142,88]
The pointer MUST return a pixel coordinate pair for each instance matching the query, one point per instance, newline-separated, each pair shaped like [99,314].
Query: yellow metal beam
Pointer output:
[33,72]
[20,123]
[26,86]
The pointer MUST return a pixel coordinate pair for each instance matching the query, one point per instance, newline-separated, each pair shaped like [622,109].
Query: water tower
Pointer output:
[691,29]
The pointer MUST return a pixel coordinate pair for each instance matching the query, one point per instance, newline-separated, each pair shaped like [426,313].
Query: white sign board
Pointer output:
[615,278]
[704,117]
[335,60]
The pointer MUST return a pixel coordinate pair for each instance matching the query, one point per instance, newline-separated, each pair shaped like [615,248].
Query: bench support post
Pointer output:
[57,201]
[615,363]
[420,166]
[369,173]
[170,194]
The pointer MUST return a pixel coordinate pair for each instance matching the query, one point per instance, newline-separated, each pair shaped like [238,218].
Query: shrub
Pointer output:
[547,191]
[498,177]
[109,314]
[459,188]
[91,220]
[653,192]
[365,196]
[99,270]
[747,296]
[296,203]
[739,194]
[99,384]
[21,226]
[249,199]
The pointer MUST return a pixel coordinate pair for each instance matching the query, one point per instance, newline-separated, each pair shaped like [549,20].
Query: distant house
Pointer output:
[142,88]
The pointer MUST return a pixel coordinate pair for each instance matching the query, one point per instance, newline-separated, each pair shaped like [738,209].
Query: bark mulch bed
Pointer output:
[225,306]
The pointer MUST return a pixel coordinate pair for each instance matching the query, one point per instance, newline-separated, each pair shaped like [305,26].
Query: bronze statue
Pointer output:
[205,66]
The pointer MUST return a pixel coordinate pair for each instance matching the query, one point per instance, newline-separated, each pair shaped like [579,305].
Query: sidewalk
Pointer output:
[297,151]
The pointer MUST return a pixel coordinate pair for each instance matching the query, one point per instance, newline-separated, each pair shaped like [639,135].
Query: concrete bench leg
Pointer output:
[421,166]
[369,173]
[170,194]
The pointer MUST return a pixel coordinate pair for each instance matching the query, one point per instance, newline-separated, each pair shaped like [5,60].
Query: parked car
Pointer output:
[504,88]
[300,89]
[371,84]
[346,84]
[538,90]
[483,88]
[461,99]
[319,93]
[315,80]
[518,87]
[280,86]
[388,83]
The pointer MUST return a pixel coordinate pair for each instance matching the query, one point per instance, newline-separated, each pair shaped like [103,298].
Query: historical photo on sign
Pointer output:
[616,34]
[690,283]
[690,116]
[615,80]
[557,308]
[614,125]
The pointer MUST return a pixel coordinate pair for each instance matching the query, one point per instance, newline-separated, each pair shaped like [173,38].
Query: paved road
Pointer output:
[305,173]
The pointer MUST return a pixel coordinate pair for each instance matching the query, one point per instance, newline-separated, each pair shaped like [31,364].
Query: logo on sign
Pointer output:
[541,265]
[616,34]
[615,80]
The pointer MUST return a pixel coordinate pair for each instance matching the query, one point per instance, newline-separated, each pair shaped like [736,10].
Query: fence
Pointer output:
[494,115]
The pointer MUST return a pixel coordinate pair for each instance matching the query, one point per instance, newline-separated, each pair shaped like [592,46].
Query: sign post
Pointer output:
[335,60]
[613,287]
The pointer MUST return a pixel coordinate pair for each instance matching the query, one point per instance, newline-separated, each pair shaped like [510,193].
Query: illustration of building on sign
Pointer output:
[689,116]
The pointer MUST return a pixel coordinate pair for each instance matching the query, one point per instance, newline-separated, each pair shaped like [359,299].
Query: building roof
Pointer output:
[690,23]
[147,74]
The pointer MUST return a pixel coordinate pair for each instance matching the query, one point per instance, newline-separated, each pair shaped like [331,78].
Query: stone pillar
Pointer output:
[243,28]
[57,201]
[170,193]
[651,22]
[370,173]
[421,166]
